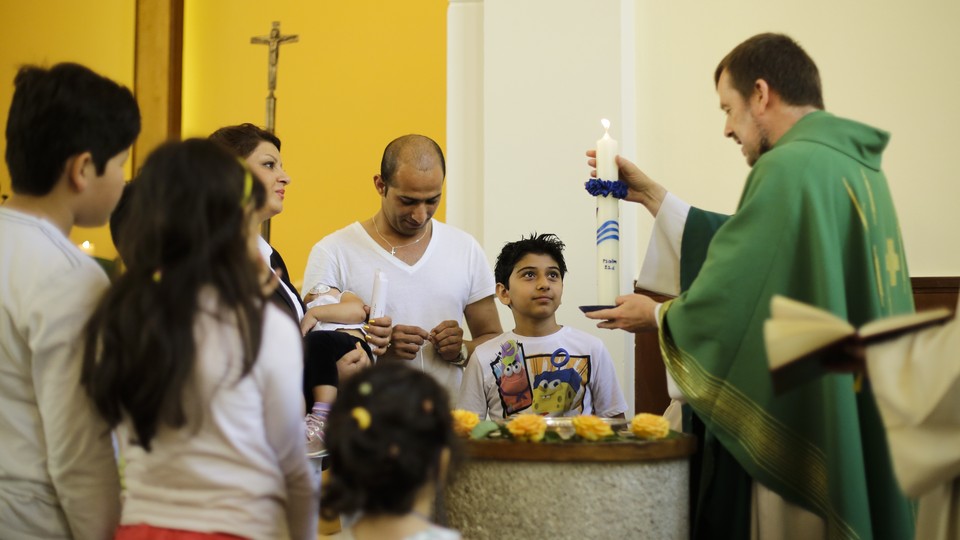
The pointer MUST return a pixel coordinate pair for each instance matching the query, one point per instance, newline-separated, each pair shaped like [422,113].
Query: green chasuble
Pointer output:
[816,223]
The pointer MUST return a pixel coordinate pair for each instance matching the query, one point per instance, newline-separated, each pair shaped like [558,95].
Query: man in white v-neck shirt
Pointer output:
[438,276]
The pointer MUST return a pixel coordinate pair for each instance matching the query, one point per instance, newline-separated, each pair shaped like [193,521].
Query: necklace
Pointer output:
[393,248]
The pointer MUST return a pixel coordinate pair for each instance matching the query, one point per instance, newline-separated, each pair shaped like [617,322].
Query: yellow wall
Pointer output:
[362,73]
[97,34]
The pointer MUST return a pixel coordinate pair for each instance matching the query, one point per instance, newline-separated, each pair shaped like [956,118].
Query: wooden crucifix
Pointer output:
[273,42]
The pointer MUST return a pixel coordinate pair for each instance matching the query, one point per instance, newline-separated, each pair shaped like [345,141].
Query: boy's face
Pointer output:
[103,191]
[535,287]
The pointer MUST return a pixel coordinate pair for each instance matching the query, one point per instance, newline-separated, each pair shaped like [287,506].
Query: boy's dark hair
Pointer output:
[60,112]
[378,467]
[185,230]
[243,139]
[539,244]
[781,62]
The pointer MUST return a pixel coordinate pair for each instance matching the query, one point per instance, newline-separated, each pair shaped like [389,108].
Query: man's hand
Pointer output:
[406,341]
[634,312]
[447,338]
[379,331]
[640,187]
[352,363]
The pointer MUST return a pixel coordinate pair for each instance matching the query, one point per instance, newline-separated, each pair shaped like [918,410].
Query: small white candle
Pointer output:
[607,149]
[87,247]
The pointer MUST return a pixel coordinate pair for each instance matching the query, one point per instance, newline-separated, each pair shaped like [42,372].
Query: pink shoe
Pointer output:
[315,426]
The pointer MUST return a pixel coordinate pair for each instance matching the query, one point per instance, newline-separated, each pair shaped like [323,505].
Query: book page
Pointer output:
[789,339]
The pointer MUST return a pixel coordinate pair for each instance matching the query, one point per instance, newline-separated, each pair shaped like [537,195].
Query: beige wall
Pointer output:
[890,64]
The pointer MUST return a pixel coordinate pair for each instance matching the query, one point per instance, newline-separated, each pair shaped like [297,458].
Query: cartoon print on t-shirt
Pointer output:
[511,373]
[559,381]
[556,391]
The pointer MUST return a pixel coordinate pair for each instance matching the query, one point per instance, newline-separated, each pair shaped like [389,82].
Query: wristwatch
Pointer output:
[463,357]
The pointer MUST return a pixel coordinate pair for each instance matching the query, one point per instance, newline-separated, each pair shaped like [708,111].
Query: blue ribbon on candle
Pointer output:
[603,188]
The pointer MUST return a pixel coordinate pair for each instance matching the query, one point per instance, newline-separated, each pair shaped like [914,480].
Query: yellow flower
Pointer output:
[464,422]
[650,426]
[527,427]
[591,428]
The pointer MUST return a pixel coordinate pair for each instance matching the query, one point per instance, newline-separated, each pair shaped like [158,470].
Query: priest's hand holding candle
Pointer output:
[608,220]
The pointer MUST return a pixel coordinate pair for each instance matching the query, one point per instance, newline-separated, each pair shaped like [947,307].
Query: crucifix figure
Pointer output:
[273,41]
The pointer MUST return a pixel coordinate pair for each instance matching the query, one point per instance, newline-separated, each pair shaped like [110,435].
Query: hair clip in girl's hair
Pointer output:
[157,275]
[247,184]
[365,389]
[427,406]
[362,416]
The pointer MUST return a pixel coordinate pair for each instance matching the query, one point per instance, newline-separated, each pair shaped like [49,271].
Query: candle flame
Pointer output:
[605,123]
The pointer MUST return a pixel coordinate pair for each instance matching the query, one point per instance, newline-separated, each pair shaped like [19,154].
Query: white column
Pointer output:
[553,69]
[465,185]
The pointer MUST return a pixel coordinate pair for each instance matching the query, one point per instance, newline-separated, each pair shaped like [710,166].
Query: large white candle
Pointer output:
[607,154]
[608,222]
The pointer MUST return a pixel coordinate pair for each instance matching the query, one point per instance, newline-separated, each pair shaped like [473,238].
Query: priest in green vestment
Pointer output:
[815,222]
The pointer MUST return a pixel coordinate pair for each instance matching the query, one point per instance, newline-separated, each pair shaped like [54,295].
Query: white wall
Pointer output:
[552,70]
[889,63]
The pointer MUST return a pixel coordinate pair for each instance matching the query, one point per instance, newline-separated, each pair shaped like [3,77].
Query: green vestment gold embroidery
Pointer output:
[816,223]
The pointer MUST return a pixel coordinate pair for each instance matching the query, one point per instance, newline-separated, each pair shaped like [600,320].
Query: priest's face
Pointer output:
[410,200]
[742,125]
[265,164]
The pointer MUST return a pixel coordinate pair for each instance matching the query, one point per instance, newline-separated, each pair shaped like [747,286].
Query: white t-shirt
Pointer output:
[566,373]
[240,467]
[58,476]
[452,274]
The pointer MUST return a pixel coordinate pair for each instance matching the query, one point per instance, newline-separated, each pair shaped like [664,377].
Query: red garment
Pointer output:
[142,531]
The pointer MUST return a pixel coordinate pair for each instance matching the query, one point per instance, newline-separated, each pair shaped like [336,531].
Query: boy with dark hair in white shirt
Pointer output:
[68,136]
[539,367]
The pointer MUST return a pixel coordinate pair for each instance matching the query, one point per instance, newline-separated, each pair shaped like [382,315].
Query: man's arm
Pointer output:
[483,322]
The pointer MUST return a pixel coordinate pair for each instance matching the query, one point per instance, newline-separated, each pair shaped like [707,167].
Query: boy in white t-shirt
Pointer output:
[539,367]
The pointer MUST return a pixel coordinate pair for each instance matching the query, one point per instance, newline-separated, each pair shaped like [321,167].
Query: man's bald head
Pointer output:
[416,151]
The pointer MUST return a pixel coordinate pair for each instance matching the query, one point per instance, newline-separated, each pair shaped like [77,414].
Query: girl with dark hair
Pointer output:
[390,440]
[191,364]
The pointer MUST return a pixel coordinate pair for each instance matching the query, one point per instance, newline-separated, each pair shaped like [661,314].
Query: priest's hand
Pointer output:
[634,312]
[379,331]
[640,187]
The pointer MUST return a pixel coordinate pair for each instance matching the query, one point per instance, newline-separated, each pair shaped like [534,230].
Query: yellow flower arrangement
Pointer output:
[527,427]
[650,426]
[591,428]
[464,422]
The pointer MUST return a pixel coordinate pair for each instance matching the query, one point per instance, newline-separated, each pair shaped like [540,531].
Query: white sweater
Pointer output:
[239,466]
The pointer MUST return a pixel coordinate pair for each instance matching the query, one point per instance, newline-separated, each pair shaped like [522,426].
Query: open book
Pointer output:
[801,338]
